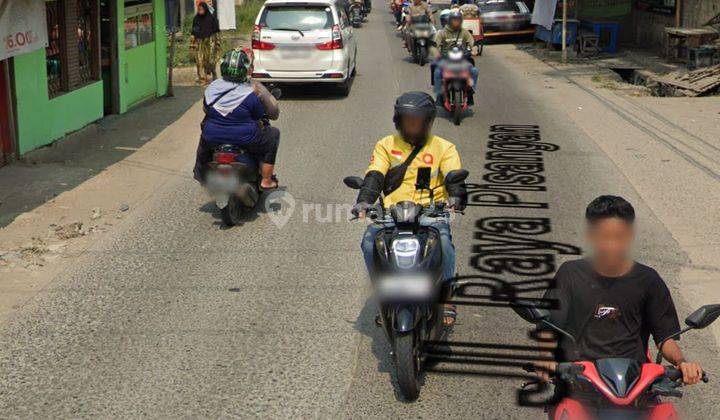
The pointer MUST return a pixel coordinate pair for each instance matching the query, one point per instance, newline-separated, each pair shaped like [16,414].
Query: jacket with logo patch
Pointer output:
[438,154]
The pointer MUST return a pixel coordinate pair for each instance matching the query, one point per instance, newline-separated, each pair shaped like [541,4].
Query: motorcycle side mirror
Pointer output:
[276,92]
[457,176]
[529,312]
[703,317]
[354,182]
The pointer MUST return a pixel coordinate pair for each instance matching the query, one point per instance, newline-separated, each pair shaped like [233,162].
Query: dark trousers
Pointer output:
[264,149]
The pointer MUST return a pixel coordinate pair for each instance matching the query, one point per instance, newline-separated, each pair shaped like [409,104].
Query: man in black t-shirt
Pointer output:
[609,302]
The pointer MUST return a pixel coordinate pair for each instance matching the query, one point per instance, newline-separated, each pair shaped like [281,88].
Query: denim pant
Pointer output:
[437,78]
[442,224]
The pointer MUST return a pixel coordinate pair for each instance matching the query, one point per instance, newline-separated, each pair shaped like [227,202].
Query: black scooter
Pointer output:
[407,278]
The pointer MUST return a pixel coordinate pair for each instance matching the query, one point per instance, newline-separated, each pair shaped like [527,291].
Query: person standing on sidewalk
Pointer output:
[205,42]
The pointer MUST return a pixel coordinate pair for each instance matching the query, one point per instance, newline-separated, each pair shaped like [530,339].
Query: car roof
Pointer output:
[299,2]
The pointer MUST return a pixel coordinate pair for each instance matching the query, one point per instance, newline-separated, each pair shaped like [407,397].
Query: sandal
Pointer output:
[449,316]
[275,180]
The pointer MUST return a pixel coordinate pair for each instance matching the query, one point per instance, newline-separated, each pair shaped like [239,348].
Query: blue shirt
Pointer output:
[232,111]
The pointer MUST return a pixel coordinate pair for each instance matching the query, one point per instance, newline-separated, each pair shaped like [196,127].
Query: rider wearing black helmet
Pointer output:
[451,35]
[393,170]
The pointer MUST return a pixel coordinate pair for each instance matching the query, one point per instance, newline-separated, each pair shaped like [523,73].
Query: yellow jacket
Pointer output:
[437,153]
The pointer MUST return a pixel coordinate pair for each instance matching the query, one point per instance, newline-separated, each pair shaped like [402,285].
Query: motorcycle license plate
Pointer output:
[223,180]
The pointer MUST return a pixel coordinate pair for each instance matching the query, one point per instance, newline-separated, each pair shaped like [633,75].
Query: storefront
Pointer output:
[102,57]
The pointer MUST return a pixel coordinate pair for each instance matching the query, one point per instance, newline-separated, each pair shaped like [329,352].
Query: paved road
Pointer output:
[171,316]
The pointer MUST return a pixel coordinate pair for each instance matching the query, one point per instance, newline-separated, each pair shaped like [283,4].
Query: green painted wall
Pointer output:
[42,120]
[143,70]
[142,75]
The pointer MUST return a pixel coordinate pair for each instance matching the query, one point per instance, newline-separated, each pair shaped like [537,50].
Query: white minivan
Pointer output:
[301,41]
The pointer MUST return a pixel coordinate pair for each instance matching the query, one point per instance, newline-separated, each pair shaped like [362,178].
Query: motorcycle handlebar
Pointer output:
[675,374]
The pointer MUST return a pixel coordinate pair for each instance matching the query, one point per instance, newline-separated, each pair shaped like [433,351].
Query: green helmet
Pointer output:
[236,64]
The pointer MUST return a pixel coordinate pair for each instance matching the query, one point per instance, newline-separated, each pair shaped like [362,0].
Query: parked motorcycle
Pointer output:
[233,179]
[420,35]
[455,79]
[407,278]
[617,388]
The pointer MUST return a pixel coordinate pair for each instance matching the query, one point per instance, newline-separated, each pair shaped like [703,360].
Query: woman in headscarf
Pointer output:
[205,42]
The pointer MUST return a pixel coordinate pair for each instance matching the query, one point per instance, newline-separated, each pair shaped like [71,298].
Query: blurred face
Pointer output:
[611,241]
[201,10]
[413,126]
[455,24]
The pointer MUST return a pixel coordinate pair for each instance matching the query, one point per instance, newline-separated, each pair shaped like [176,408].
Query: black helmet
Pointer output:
[454,14]
[416,104]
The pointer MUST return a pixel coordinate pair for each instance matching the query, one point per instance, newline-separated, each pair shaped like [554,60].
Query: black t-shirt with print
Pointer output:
[611,317]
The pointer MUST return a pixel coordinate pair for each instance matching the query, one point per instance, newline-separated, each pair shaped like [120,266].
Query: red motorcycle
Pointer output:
[616,388]
[455,82]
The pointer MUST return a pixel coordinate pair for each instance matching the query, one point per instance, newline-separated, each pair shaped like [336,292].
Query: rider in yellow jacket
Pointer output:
[393,171]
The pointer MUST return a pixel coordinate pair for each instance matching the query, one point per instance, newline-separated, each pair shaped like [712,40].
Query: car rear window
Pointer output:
[499,6]
[301,18]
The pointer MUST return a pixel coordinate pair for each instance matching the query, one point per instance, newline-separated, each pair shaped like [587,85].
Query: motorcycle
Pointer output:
[233,178]
[356,14]
[420,34]
[455,86]
[617,388]
[407,278]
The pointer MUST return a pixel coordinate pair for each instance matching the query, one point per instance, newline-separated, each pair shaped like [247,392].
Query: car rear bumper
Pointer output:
[327,76]
[505,26]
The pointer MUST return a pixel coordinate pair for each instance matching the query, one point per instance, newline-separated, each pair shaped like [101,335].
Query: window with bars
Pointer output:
[73,53]
[55,51]
[86,33]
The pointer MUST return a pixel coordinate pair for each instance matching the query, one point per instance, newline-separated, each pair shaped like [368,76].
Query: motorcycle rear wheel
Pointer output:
[407,365]
[232,214]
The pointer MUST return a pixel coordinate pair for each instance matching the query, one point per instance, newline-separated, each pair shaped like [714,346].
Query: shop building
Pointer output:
[102,57]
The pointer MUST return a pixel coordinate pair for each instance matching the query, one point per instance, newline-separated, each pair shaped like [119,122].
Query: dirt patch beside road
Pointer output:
[57,202]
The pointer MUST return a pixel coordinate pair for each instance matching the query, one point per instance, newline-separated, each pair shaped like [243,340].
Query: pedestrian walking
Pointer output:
[205,42]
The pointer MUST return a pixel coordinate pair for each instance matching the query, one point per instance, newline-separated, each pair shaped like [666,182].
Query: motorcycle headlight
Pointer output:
[456,55]
[405,252]
[416,286]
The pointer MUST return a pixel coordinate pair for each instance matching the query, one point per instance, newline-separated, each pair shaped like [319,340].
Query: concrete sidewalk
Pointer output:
[56,201]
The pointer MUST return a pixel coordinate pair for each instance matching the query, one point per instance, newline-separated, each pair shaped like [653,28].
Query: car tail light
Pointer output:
[257,44]
[261,75]
[336,43]
[225,158]
[333,76]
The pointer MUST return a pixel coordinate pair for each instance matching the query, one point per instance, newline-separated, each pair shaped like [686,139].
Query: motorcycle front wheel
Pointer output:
[422,55]
[457,107]
[407,365]
[232,213]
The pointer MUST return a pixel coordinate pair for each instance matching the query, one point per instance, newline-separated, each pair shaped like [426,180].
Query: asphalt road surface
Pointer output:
[172,316]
